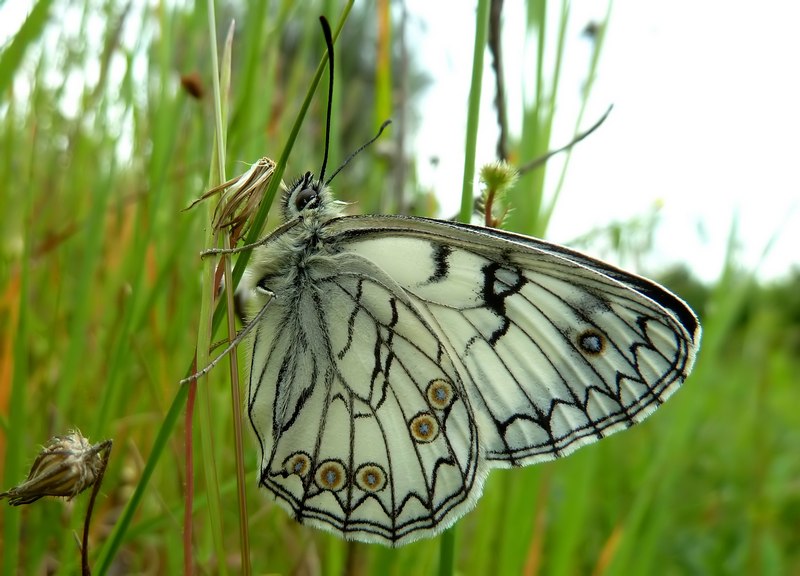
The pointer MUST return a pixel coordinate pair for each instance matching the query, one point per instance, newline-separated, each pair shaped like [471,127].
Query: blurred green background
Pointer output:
[107,119]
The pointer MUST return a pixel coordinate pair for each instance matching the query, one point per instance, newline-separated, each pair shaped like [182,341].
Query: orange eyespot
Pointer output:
[440,394]
[331,475]
[371,478]
[298,463]
[424,428]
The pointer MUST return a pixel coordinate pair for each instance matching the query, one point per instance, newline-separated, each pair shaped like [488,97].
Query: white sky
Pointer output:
[705,120]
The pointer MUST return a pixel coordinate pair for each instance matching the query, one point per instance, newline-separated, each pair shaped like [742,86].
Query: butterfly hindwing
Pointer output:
[558,350]
[364,424]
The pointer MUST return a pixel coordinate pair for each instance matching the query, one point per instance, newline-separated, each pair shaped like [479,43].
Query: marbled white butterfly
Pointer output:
[394,361]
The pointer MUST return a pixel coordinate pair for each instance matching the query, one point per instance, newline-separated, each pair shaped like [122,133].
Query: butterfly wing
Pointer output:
[364,424]
[555,349]
[409,356]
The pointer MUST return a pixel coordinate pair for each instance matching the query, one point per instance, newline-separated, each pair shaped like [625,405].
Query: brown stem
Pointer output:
[495,47]
[105,448]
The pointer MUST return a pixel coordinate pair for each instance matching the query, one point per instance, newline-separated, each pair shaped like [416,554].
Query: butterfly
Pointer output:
[400,359]
[394,361]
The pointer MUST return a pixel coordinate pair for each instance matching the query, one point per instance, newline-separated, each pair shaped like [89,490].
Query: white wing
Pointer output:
[364,424]
[556,349]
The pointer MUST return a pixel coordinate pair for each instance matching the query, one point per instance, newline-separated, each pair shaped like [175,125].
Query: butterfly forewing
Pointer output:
[558,350]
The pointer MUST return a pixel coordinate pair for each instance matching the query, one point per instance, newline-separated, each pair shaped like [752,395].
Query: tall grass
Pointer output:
[101,289]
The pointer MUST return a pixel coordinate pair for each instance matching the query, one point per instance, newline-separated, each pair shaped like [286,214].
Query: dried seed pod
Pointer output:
[67,466]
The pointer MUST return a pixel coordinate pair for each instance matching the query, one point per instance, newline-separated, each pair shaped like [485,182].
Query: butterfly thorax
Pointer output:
[282,265]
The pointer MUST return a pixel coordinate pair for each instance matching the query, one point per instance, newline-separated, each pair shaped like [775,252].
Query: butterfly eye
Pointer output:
[304,198]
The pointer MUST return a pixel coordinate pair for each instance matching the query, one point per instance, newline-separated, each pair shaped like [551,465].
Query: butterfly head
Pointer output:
[307,196]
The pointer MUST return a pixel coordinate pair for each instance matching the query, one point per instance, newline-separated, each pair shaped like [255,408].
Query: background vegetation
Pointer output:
[107,121]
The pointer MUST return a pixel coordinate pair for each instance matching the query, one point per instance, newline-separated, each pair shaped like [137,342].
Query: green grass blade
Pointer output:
[117,537]
[236,403]
[205,330]
[29,33]
[597,49]
[83,298]
[18,436]
[473,113]
[269,195]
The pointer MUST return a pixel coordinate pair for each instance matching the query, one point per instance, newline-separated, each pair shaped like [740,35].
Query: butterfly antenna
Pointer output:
[360,148]
[326,31]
